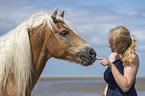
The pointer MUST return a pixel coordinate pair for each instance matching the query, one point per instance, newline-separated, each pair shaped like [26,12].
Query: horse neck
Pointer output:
[38,43]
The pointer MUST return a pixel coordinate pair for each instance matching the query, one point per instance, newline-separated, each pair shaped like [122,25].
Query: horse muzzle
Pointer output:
[87,55]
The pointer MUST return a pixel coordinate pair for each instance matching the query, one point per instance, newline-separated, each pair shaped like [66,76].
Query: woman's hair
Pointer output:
[123,40]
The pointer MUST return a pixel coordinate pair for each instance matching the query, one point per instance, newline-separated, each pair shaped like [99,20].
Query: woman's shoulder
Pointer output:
[134,63]
[112,57]
[136,60]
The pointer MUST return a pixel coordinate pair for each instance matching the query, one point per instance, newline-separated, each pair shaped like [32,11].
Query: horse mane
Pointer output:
[16,54]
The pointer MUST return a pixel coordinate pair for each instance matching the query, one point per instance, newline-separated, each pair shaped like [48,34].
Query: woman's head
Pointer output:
[122,42]
[120,38]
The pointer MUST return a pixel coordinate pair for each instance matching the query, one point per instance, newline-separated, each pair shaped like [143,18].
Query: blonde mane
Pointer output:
[15,52]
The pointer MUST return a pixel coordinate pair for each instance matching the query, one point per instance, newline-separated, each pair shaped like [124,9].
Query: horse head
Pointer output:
[64,43]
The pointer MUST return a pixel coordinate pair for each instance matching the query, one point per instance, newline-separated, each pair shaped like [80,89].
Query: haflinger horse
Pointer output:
[25,50]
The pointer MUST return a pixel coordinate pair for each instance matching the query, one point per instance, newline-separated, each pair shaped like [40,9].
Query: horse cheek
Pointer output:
[56,49]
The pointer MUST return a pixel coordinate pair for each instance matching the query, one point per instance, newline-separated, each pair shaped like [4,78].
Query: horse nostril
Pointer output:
[92,53]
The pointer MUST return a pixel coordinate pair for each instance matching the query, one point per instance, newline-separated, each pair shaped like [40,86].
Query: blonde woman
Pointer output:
[122,64]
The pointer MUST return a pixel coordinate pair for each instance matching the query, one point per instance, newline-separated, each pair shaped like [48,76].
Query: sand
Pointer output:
[77,86]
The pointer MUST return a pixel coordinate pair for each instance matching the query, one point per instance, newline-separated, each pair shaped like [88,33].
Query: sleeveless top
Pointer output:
[113,88]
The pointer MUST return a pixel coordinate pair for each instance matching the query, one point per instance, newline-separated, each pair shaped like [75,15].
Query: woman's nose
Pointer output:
[109,45]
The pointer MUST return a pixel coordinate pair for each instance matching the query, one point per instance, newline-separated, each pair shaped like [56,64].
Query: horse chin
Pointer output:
[82,62]
[86,62]
[80,59]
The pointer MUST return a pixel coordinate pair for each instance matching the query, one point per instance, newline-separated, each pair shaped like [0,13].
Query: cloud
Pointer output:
[96,22]
[14,13]
[141,47]
[93,21]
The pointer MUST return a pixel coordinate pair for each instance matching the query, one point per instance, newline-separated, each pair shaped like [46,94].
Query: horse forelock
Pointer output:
[66,23]
[43,17]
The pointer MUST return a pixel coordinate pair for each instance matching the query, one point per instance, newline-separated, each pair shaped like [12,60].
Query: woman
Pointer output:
[122,64]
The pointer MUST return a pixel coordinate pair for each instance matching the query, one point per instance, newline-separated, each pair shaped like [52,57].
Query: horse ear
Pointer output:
[53,16]
[62,14]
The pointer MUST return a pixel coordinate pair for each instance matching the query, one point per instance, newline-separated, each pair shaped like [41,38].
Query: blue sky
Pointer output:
[93,19]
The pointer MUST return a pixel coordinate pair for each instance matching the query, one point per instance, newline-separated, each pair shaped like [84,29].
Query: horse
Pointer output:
[25,50]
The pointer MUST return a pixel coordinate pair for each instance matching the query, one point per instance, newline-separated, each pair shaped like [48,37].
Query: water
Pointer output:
[74,87]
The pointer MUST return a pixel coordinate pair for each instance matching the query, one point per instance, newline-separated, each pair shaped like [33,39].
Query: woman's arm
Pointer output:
[124,81]
[105,90]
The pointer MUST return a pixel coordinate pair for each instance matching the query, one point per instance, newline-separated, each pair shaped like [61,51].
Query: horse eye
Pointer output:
[64,33]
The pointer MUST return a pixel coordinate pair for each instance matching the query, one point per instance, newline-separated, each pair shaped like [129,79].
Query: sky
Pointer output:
[93,19]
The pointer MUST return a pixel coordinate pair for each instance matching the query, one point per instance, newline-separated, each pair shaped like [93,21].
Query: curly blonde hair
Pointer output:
[123,40]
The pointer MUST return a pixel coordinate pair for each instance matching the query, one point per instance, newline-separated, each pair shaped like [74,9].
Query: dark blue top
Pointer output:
[113,88]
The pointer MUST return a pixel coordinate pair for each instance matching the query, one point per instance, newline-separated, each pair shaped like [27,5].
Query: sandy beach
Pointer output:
[76,86]
[97,86]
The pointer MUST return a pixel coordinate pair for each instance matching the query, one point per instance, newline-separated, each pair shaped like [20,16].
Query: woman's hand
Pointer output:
[104,61]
